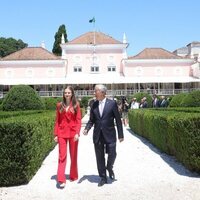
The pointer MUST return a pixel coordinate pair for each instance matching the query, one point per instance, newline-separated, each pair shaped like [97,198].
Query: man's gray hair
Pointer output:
[101,87]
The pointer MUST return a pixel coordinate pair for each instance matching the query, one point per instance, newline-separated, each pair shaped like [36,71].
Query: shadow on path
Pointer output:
[93,179]
[90,178]
[170,160]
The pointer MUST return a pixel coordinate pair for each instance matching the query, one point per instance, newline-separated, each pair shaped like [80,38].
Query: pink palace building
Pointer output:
[95,57]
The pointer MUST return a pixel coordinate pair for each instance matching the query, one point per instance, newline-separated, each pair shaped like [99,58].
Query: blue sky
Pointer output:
[169,24]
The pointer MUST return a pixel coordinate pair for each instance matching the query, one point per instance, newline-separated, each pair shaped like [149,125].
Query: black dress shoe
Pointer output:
[111,174]
[102,182]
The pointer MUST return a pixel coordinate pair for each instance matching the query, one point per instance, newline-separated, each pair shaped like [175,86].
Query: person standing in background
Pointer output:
[155,102]
[125,107]
[143,103]
[134,104]
[67,131]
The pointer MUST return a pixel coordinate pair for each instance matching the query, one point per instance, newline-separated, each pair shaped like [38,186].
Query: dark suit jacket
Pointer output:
[105,124]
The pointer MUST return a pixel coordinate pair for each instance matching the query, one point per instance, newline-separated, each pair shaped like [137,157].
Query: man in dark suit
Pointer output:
[102,115]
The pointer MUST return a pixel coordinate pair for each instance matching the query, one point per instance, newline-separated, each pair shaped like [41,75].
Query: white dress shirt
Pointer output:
[101,106]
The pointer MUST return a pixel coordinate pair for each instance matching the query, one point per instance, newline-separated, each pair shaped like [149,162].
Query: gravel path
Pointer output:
[142,173]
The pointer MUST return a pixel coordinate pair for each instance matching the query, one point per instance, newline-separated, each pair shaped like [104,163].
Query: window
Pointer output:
[111,59]
[94,68]
[77,69]
[50,72]
[77,59]
[177,71]
[111,68]
[9,73]
[158,71]
[29,72]
[196,57]
[138,71]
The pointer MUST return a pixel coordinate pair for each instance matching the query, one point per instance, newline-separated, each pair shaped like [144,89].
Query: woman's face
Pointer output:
[68,94]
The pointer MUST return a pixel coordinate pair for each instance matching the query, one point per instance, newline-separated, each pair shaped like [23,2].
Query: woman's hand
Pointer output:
[76,137]
[56,138]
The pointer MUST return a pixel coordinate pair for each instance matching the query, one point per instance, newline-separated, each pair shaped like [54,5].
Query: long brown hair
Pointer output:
[73,100]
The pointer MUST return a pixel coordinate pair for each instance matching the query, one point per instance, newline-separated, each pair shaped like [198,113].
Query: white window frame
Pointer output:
[77,69]
[112,68]
[139,71]
[9,73]
[29,72]
[158,71]
[178,71]
[50,72]
[95,67]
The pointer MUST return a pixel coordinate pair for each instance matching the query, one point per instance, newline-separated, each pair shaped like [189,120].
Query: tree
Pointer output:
[10,45]
[56,47]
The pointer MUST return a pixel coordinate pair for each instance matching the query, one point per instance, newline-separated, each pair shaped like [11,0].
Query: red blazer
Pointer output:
[67,124]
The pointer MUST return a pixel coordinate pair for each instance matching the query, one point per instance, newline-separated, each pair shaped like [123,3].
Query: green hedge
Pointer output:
[177,99]
[25,141]
[22,97]
[50,102]
[174,132]
[192,99]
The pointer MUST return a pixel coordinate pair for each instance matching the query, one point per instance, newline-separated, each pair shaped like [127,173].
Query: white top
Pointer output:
[134,105]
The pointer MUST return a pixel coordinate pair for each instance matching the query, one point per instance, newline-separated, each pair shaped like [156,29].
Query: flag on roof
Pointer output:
[92,20]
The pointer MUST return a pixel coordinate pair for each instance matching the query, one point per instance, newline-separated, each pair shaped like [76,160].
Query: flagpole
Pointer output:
[94,32]
[94,39]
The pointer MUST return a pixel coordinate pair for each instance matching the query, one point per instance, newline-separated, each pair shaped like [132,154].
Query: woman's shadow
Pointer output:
[90,178]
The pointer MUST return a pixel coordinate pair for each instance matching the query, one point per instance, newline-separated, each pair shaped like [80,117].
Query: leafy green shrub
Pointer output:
[84,102]
[1,100]
[192,99]
[22,97]
[177,99]
[50,103]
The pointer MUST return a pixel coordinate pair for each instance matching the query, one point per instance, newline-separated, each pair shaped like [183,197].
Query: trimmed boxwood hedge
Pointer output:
[176,132]
[25,141]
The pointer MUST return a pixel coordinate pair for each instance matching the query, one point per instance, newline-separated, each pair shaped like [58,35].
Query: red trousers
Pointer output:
[73,150]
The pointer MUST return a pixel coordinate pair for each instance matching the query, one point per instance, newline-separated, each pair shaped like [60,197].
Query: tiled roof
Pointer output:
[182,50]
[155,53]
[31,53]
[100,38]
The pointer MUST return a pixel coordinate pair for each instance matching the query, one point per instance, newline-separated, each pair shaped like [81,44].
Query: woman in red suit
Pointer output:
[67,131]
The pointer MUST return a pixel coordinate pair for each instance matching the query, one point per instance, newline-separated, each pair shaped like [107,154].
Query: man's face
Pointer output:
[98,94]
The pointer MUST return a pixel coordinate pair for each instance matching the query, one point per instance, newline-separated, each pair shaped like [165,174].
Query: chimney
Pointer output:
[124,39]
[43,45]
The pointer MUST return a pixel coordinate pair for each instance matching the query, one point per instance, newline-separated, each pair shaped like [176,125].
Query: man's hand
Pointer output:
[121,139]
[85,132]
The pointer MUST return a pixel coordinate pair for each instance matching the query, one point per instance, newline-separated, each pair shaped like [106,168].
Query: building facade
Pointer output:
[94,58]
